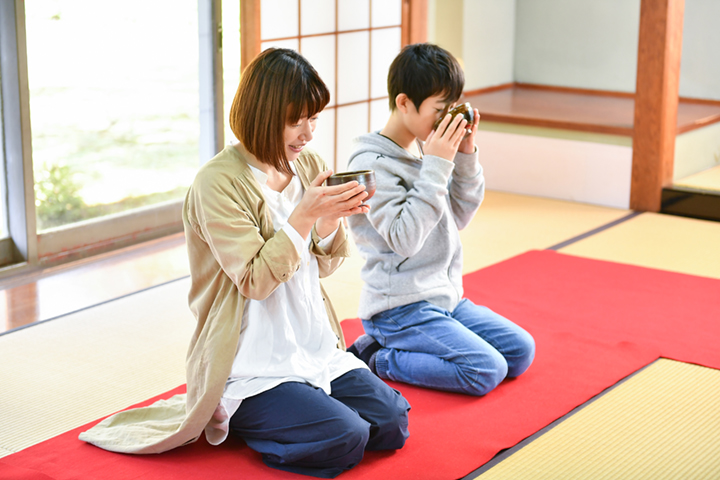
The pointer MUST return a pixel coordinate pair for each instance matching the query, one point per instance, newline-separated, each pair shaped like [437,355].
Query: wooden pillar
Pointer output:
[656,101]
[249,31]
[414,21]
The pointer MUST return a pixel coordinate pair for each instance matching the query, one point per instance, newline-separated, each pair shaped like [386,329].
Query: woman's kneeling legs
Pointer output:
[299,428]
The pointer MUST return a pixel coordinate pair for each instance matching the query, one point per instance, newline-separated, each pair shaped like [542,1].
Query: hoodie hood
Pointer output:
[377,144]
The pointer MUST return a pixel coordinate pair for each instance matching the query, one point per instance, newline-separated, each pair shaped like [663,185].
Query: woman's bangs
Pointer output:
[308,99]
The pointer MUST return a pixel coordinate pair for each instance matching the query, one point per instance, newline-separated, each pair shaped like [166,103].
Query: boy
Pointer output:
[419,328]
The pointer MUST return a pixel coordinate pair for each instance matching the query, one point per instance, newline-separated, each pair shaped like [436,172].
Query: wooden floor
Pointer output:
[572,109]
[592,112]
[55,292]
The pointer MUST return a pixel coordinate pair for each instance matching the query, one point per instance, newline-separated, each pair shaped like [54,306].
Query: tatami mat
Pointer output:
[706,180]
[505,225]
[663,423]
[66,372]
[665,242]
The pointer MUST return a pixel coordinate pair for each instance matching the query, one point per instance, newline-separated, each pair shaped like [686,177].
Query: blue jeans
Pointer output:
[299,428]
[469,350]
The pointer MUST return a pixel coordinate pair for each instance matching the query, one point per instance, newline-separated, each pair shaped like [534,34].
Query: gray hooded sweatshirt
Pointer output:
[409,239]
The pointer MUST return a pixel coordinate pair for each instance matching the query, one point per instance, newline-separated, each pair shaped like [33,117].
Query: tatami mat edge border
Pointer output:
[594,231]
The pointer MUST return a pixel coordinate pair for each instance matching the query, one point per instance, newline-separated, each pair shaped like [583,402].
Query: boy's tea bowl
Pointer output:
[464,109]
[363,177]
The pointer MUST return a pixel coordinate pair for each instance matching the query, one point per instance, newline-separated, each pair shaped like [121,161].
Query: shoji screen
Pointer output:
[351,43]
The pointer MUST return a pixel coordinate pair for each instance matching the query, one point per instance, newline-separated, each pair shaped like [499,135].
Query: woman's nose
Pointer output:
[307,132]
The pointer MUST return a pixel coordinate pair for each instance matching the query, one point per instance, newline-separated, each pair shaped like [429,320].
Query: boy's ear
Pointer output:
[402,102]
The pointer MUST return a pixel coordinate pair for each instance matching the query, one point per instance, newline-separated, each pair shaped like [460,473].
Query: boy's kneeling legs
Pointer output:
[425,346]
[515,344]
[299,428]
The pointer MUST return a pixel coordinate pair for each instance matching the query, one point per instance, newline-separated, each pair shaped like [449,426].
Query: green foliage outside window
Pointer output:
[57,199]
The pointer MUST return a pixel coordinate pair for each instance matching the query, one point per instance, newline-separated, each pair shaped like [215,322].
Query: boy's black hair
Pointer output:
[422,70]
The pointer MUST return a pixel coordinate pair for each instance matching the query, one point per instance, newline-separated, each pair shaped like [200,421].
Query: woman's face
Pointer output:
[297,135]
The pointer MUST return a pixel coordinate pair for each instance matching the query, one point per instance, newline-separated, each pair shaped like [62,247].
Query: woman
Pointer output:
[267,361]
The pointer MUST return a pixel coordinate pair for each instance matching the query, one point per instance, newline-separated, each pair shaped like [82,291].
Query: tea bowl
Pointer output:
[363,177]
[464,109]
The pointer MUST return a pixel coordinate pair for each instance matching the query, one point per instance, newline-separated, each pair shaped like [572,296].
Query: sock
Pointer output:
[371,362]
[365,348]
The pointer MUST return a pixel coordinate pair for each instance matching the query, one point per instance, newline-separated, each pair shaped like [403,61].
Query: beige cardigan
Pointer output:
[234,254]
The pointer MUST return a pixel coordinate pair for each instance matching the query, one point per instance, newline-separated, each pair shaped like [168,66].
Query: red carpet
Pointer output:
[594,323]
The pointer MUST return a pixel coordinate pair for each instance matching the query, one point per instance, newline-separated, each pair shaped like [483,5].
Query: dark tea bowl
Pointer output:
[464,109]
[363,177]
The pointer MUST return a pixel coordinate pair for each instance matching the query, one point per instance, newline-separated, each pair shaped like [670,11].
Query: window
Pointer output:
[114,105]
[108,111]
[351,44]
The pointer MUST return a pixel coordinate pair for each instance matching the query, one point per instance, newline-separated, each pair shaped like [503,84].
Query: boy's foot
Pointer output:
[365,348]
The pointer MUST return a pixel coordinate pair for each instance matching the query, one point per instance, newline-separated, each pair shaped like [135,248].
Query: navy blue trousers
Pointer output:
[299,428]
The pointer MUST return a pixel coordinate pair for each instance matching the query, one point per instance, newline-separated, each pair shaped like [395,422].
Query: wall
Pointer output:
[700,64]
[447,30]
[480,33]
[488,42]
[571,43]
[582,44]
[585,44]
[552,167]
[696,151]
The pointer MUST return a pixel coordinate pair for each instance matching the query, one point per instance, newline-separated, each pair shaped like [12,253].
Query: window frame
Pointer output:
[413,29]
[25,248]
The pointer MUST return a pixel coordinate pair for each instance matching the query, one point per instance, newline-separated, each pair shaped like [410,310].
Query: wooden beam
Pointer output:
[250,39]
[656,101]
[414,21]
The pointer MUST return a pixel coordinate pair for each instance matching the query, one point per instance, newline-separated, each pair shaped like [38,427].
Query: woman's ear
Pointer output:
[401,102]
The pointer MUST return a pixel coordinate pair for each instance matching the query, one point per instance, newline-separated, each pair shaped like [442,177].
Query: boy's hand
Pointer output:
[467,145]
[445,145]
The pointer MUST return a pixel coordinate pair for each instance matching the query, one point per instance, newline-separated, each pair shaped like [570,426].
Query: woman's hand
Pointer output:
[445,145]
[327,205]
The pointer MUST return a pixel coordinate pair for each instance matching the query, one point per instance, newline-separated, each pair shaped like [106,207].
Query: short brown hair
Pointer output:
[277,87]
[422,70]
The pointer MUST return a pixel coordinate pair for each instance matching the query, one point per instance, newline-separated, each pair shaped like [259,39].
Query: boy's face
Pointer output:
[420,121]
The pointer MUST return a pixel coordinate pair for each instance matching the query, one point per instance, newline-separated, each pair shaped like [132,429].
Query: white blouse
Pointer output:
[287,337]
